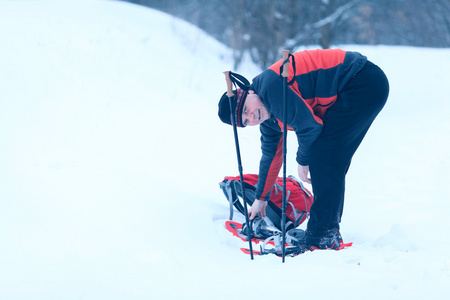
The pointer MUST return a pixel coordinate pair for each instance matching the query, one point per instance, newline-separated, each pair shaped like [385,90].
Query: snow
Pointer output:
[111,154]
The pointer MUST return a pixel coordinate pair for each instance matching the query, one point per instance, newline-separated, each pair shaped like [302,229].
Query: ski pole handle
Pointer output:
[285,72]
[229,84]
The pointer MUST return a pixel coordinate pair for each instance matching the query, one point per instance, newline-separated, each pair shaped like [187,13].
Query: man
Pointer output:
[333,98]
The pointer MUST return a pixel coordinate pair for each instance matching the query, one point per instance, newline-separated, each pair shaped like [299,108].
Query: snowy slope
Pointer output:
[111,153]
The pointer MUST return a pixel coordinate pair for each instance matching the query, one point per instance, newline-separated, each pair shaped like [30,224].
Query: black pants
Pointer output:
[344,127]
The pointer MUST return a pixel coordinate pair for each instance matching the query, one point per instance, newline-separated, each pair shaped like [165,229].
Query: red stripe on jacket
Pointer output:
[282,126]
[274,169]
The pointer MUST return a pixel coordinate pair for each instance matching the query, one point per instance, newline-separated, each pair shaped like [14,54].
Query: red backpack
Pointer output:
[299,199]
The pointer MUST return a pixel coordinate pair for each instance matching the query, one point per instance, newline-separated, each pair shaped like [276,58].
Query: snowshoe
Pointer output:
[259,231]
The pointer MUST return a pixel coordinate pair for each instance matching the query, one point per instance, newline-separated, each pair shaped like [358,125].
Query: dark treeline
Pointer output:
[263,27]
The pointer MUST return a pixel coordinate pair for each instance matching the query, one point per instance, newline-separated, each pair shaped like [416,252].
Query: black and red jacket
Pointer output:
[319,77]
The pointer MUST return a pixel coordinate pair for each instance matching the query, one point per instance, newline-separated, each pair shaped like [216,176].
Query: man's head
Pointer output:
[247,107]
[237,103]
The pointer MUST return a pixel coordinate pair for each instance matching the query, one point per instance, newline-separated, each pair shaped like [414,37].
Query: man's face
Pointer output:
[254,112]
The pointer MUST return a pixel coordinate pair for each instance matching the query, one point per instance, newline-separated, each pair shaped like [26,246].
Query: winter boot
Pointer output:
[329,239]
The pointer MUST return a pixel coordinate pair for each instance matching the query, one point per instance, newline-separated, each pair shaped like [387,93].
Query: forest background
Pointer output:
[261,28]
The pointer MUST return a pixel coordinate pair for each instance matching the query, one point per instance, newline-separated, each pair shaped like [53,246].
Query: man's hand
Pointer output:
[303,172]
[258,206]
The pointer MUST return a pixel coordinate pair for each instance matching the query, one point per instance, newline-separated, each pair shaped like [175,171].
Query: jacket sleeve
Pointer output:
[271,160]
[300,117]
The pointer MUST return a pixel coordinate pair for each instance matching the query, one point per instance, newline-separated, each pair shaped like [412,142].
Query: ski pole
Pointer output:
[230,95]
[285,75]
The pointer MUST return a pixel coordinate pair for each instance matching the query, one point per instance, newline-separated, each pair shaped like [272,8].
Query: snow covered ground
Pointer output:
[111,152]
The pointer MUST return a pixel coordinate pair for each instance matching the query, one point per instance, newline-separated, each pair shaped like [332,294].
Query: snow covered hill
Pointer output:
[111,153]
